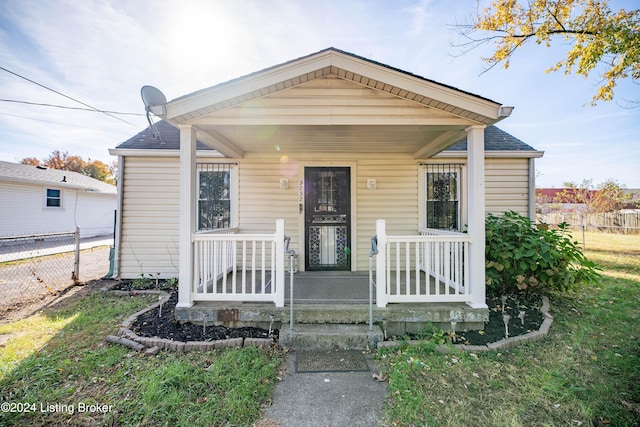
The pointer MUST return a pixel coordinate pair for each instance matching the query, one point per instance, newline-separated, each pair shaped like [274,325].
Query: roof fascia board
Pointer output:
[142,152]
[248,84]
[419,86]
[43,182]
[335,120]
[525,154]
[311,64]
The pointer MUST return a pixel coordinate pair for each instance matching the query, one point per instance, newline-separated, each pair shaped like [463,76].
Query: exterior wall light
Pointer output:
[371,184]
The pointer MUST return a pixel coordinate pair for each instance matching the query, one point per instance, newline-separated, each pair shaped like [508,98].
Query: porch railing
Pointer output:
[239,267]
[429,267]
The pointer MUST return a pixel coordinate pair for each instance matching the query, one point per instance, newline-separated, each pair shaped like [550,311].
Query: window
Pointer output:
[54,198]
[442,187]
[215,207]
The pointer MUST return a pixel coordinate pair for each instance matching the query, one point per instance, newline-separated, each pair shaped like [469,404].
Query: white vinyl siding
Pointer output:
[24,211]
[507,185]
[150,205]
[149,231]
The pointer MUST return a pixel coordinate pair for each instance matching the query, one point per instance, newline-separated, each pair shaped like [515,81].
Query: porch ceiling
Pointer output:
[419,141]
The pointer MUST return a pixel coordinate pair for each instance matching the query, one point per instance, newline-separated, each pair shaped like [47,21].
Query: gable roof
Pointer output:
[347,66]
[328,101]
[15,172]
[495,139]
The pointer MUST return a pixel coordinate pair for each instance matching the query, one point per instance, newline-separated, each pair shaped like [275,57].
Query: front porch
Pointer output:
[335,298]
[413,281]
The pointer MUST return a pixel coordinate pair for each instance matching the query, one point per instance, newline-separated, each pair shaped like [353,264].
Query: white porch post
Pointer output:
[279,279]
[381,267]
[476,215]
[187,216]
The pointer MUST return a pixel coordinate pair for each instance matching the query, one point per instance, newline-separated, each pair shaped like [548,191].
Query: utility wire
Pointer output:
[69,108]
[67,96]
[46,121]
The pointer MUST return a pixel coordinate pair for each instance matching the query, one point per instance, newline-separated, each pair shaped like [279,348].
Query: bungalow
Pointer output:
[39,200]
[325,154]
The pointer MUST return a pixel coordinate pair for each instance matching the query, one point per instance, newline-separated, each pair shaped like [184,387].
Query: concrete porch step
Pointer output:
[329,336]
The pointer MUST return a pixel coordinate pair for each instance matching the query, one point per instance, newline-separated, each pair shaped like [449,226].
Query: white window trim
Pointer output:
[233,182]
[46,198]
[462,194]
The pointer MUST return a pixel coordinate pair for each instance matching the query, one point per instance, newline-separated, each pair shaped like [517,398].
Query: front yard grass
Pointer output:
[585,373]
[57,361]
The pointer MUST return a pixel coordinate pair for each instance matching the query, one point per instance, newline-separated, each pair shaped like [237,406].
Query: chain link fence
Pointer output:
[34,266]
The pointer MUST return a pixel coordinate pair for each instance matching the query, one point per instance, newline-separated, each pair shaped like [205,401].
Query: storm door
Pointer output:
[327,218]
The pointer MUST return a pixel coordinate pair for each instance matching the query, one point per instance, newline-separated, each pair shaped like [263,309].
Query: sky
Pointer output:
[101,52]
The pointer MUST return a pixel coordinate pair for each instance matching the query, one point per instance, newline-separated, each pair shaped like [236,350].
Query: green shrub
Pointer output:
[526,258]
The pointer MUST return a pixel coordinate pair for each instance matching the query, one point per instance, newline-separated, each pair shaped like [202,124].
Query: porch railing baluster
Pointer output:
[222,255]
[440,255]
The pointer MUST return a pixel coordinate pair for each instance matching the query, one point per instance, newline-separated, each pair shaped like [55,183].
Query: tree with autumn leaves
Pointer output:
[608,196]
[63,161]
[601,40]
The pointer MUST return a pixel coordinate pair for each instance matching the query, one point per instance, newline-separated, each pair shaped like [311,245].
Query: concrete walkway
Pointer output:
[326,399]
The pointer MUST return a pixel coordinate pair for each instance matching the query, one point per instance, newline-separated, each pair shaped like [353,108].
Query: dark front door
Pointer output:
[327,218]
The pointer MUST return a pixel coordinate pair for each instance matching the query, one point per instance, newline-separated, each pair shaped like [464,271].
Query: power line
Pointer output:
[69,108]
[67,96]
[48,121]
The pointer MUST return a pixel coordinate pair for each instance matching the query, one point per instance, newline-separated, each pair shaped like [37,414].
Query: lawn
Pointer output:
[57,370]
[585,373]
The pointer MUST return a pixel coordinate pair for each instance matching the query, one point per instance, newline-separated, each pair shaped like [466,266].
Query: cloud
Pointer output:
[102,52]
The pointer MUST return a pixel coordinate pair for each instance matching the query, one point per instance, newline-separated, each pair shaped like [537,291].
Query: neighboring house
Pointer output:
[320,149]
[561,199]
[569,200]
[38,200]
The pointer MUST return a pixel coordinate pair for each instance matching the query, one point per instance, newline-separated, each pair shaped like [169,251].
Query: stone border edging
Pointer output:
[154,345]
[504,343]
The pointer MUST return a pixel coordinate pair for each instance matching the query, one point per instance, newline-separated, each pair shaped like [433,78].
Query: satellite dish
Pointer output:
[153,99]
[154,102]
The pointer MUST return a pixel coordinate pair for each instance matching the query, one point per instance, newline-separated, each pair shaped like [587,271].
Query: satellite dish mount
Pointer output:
[154,102]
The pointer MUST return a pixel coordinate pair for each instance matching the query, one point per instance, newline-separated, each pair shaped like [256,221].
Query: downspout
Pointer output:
[532,189]
[118,233]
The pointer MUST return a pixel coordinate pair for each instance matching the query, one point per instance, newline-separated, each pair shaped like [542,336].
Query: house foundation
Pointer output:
[395,319]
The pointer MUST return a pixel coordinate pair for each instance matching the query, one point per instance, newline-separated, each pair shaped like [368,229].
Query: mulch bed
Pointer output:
[160,322]
[495,329]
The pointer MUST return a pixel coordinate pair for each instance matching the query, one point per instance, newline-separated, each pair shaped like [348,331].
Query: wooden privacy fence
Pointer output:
[610,222]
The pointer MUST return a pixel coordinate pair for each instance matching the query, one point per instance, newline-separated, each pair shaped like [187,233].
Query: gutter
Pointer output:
[118,237]
[511,154]
[144,152]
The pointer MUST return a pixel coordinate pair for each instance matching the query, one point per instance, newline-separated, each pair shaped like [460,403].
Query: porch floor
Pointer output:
[335,298]
[331,287]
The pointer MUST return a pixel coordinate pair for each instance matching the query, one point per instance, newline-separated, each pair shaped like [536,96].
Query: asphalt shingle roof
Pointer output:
[495,139]
[169,139]
[16,172]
